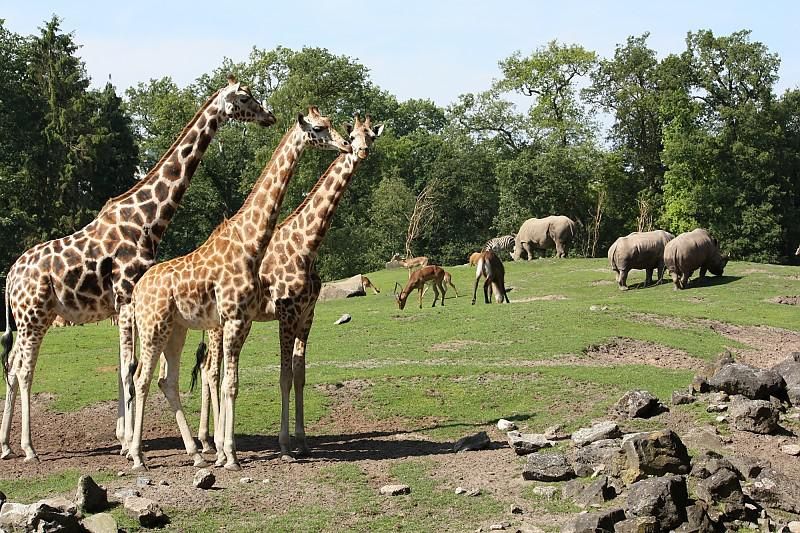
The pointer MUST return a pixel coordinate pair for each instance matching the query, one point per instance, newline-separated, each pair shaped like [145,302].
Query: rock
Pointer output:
[479,441]
[662,497]
[753,383]
[122,473]
[344,319]
[100,523]
[708,463]
[147,512]
[637,404]
[515,509]
[547,467]
[204,479]
[525,443]
[639,524]
[700,384]
[346,288]
[499,527]
[698,520]
[245,480]
[144,481]
[682,397]
[61,504]
[773,489]
[461,490]
[14,515]
[164,483]
[703,438]
[789,369]
[755,416]
[723,491]
[748,467]
[794,526]
[721,418]
[600,431]
[90,497]
[600,521]
[474,492]
[605,455]
[506,425]
[718,397]
[545,491]
[793,393]
[121,494]
[655,453]
[43,517]
[596,492]
[717,408]
[791,449]
[395,490]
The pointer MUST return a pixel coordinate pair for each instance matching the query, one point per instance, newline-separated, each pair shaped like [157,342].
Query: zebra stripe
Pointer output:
[498,244]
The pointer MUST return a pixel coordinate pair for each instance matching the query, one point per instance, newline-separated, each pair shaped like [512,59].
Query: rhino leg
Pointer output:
[648,279]
[560,252]
[528,251]
[623,278]
[685,280]
[702,272]
[660,272]
[676,279]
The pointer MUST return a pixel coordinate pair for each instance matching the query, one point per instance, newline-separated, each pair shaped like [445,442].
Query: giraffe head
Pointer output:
[237,102]
[318,132]
[362,135]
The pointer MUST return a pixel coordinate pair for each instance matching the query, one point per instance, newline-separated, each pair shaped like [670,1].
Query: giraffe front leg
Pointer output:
[168,383]
[287,376]
[25,382]
[209,373]
[12,388]
[234,334]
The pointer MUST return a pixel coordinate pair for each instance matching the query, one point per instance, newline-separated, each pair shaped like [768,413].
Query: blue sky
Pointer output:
[414,49]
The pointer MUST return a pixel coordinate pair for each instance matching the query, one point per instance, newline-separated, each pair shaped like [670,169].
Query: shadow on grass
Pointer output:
[711,281]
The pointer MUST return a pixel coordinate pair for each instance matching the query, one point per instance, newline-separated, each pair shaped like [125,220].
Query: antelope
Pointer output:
[433,275]
[448,280]
[411,263]
[473,258]
[490,267]
[367,284]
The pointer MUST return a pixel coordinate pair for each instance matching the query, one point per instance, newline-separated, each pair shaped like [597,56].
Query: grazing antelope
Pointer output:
[433,275]
[473,258]
[411,263]
[448,280]
[367,284]
[490,267]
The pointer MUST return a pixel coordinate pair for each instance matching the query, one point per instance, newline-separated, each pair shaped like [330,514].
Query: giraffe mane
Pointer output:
[310,194]
[165,156]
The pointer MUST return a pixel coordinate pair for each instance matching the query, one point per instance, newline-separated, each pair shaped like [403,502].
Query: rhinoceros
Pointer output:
[555,231]
[692,250]
[641,250]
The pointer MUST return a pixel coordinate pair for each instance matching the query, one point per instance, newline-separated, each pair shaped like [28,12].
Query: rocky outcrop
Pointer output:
[654,453]
[750,382]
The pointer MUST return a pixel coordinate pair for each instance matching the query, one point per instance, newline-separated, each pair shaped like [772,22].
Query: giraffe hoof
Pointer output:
[219,463]
[139,468]
[233,467]
[199,462]
[287,458]
[32,459]
[8,454]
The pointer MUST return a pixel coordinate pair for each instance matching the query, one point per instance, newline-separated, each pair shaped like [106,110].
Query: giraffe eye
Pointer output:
[318,128]
[245,99]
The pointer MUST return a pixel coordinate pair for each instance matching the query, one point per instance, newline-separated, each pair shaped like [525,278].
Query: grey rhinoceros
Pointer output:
[555,231]
[692,250]
[640,250]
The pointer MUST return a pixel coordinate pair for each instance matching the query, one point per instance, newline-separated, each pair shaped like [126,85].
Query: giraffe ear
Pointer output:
[377,130]
[348,128]
[301,119]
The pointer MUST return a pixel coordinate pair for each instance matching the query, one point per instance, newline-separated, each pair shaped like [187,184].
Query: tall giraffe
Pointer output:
[217,285]
[291,287]
[89,275]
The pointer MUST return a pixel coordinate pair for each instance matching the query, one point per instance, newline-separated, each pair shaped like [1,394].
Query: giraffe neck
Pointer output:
[314,215]
[255,221]
[153,201]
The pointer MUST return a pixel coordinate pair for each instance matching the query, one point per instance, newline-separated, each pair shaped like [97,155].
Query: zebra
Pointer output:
[498,244]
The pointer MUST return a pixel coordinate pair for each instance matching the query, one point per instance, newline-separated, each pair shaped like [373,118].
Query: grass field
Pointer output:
[440,373]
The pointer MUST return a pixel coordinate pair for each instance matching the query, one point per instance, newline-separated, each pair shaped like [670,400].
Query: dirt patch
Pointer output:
[768,345]
[695,299]
[603,282]
[625,351]
[786,300]
[459,344]
[755,271]
[547,298]
[663,321]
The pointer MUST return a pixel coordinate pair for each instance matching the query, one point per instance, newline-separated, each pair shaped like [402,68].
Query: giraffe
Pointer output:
[217,285]
[291,287]
[89,275]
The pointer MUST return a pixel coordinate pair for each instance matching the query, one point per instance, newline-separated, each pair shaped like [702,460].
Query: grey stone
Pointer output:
[90,497]
[791,449]
[700,384]
[121,494]
[718,397]
[556,432]
[100,523]
[698,520]
[793,393]
[748,467]
[654,453]
[204,479]
[43,517]
[637,404]
[604,520]
[662,497]
[773,489]
[723,491]
[395,490]
[794,526]
[717,408]
[755,416]
[461,490]
[346,288]
[545,491]
[14,515]
[708,463]
[547,467]
[525,443]
[638,524]
[344,319]
[703,438]
[605,455]
[144,481]
[147,512]
[479,441]
[682,397]
[600,431]
[499,526]
[789,369]
[597,492]
[245,480]
[751,382]
[506,425]
[474,492]
[61,504]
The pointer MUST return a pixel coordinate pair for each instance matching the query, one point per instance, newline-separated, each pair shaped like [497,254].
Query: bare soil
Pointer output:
[786,300]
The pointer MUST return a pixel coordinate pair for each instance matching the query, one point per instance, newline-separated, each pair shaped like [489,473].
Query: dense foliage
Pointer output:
[694,139]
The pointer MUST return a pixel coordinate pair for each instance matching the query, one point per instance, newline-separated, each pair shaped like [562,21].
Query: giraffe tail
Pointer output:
[7,339]
[200,357]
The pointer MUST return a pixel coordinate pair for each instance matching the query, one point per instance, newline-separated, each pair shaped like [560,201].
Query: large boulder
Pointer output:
[662,497]
[147,512]
[637,524]
[654,453]
[90,497]
[698,520]
[479,441]
[723,491]
[603,455]
[346,288]
[773,489]
[637,404]
[597,492]
[525,443]
[599,431]
[38,517]
[100,523]
[755,416]
[789,370]
[547,467]
[750,382]
[592,522]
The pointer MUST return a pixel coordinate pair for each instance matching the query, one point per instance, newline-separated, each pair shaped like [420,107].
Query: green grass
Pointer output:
[29,490]
[444,371]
